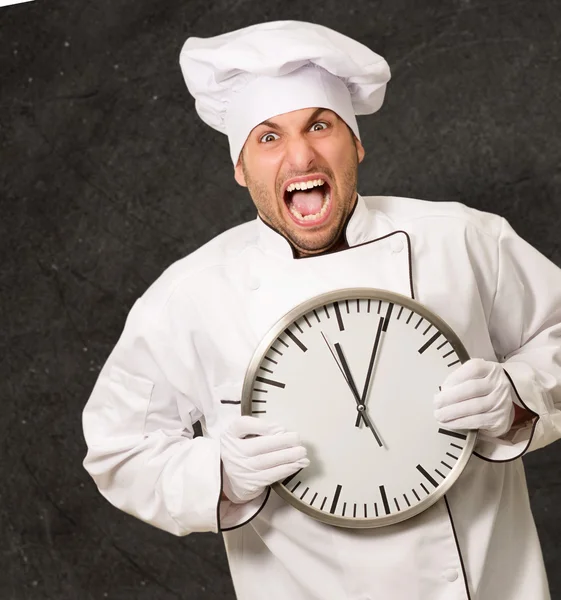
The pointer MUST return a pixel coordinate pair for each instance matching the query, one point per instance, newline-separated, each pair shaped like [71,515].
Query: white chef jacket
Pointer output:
[182,358]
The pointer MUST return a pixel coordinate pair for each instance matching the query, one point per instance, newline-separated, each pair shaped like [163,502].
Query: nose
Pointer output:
[300,154]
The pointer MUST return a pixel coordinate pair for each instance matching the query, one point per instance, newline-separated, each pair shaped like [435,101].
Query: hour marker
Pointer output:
[339,318]
[357,305]
[396,504]
[290,477]
[407,500]
[335,499]
[429,477]
[453,434]
[326,312]
[429,343]
[385,499]
[400,311]
[271,360]
[419,322]
[456,446]
[451,456]
[387,317]
[323,503]
[425,488]
[439,473]
[368,305]
[270,382]
[453,363]
[448,353]
[427,329]
[232,401]
[298,327]
[258,412]
[292,490]
[255,400]
[313,499]
[365,511]
[316,316]
[416,495]
[445,464]
[305,492]
[265,369]
[409,318]
[442,345]
[296,340]
[307,322]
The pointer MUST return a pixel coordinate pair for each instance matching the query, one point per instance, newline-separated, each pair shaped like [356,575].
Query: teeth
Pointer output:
[305,185]
[318,215]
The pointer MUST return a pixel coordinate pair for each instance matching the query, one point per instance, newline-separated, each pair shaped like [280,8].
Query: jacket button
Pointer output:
[397,244]
[254,283]
[451,575]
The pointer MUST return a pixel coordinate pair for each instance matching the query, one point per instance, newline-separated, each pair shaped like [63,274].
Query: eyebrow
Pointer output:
[311,119]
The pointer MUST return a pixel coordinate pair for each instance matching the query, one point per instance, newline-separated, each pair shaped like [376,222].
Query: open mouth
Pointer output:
[308,201]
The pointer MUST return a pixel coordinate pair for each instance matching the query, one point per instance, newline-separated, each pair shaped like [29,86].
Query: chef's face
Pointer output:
[307,145]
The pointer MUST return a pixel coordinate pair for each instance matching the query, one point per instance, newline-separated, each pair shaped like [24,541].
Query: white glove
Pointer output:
[256,454]
[477,395]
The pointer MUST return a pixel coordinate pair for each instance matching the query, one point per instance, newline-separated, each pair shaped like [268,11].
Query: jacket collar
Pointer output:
[358,229]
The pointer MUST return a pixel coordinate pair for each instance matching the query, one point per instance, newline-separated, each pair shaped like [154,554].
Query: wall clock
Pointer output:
[354,372]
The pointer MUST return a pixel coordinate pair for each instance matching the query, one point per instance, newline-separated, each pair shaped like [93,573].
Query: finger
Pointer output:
[286,456]
[246,425]
[461,410]
[283,471]
[461,392]
[471,422]
[475,368]
[269,443]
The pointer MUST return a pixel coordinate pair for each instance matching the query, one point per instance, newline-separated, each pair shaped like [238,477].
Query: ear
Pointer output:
[238,173]
[360,152]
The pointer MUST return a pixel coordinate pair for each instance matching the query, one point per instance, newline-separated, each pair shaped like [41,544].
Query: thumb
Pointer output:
[246,425]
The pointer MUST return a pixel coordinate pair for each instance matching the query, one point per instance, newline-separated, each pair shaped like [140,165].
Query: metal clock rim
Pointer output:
[360,293]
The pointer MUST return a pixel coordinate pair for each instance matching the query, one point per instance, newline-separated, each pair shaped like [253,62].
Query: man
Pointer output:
[286,94]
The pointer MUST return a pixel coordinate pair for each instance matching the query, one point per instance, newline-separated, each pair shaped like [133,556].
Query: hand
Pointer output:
[347,375]
[370,366]
[256,454]
[477,395]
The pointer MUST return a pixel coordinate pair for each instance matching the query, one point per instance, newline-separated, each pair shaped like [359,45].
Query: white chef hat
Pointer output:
[241,78]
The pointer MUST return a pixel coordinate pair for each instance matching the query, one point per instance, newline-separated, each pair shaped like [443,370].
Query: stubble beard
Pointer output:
[343,203]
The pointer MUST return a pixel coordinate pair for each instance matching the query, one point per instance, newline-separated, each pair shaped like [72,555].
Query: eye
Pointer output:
[319,126]
[268,137]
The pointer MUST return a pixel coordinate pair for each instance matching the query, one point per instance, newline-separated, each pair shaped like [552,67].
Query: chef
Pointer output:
[287,94]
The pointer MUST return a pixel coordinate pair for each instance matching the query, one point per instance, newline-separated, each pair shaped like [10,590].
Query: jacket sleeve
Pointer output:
[138,426]
[525,327]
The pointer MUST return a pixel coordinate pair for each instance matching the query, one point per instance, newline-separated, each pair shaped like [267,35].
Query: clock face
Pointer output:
[354,372]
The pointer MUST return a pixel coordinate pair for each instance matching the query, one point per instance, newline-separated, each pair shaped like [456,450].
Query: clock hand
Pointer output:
[345,371]
[370,366]
[360,405]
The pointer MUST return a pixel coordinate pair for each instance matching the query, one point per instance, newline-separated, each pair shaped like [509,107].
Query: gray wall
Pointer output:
[107,176]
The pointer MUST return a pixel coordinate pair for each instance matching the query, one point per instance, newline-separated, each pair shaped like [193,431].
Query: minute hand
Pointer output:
[350,380]
[370,367]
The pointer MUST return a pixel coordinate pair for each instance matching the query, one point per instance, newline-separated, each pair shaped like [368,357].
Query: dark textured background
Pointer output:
[107,176]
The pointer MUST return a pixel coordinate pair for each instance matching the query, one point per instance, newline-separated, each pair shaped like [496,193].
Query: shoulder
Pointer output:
[412,213]
[185,275]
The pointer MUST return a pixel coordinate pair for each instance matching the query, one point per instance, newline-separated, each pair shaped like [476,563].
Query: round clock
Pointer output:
[354,372]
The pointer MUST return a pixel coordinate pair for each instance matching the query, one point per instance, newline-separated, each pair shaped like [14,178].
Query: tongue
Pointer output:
[308,203]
